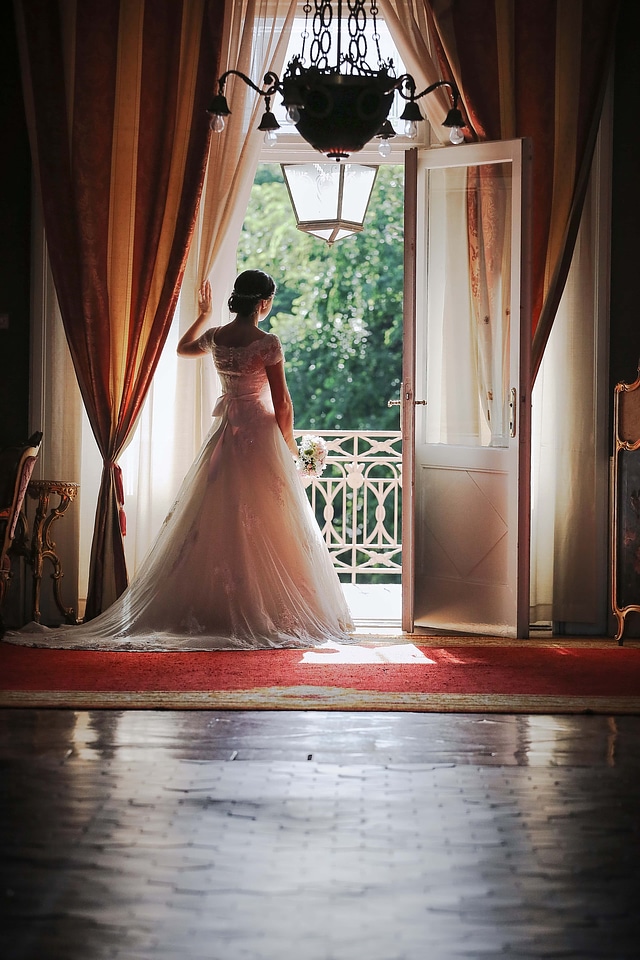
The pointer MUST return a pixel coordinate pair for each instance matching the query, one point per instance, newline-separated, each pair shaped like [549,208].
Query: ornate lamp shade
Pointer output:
[330,200]
[339,114]
[339,106]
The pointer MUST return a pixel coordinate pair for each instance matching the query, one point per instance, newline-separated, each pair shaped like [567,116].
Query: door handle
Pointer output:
[513,412]
[397,403]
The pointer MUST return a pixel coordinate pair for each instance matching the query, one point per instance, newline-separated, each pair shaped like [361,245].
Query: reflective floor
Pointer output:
[388,836]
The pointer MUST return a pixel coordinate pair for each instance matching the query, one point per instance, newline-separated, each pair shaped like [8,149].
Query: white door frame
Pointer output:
[520,151]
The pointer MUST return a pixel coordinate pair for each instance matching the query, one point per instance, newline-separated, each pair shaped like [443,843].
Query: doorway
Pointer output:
[458,370]
[338,312]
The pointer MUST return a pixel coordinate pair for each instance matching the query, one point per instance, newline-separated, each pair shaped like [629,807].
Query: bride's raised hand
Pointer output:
[204,298]
[190,344]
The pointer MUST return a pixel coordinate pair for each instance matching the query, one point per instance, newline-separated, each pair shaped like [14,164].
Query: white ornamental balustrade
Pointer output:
[358,502]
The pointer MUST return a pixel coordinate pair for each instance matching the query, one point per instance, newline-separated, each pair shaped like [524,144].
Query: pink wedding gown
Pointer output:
[239,562]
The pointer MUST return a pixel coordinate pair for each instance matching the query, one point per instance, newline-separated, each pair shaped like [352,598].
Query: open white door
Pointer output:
[466,390]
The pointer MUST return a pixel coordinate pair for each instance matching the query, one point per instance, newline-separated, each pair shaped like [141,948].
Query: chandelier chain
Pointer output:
[305,33]
[325,32]
[356,24]
[321,44]
[376,32]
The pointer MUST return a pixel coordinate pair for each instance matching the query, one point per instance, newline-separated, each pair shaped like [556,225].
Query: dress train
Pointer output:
[240,562]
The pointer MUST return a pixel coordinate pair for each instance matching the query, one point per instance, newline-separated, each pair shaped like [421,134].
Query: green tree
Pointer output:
[338,310]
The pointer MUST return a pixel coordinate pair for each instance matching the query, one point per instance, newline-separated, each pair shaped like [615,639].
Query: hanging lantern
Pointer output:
[330,200]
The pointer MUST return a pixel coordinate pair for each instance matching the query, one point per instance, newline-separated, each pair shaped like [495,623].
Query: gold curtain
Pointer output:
[116,94]
[535,70]
[256,34]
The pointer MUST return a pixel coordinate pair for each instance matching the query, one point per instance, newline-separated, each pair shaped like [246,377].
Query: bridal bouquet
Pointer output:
[312,456]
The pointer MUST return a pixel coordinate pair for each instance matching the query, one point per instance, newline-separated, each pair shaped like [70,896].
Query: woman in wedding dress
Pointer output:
[239,562]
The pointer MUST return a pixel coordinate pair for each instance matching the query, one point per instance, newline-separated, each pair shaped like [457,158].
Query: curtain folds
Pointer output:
[535,70]
[409,22]
[489,240]
[116,93]
[176,416]
[256,34]
[570,442]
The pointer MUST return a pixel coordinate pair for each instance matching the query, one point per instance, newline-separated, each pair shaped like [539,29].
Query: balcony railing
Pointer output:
[358,503]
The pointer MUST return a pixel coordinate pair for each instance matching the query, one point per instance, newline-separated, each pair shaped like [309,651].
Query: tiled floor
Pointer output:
[318,835]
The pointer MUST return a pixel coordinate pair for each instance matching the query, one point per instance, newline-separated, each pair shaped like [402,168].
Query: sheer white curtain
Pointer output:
[565,582]
[467,297]
[177,413]
[256,38]
[173,423]
[570,446]
[56,409]
[453,414]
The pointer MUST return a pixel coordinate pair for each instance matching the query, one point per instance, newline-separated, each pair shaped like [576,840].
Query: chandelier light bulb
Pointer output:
[384,149]
[293,113]
[456,135]
[217,124]
[271,138]
[410,129]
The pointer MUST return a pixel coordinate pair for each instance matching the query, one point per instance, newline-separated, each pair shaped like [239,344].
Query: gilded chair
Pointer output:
[16,468]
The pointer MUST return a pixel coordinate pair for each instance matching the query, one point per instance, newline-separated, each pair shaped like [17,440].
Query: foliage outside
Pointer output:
[338,310]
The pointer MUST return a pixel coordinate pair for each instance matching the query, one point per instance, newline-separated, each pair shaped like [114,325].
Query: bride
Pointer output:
[239,562]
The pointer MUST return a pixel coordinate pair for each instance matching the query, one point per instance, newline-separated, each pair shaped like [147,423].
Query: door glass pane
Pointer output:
[465,361]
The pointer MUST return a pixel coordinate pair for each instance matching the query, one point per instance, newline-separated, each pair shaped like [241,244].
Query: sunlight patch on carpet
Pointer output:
[333,653]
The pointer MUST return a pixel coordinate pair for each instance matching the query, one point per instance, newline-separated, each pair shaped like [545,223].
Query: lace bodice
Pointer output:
[242,369]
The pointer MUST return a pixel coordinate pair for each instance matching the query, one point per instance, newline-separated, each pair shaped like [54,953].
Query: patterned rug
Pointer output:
[443,675]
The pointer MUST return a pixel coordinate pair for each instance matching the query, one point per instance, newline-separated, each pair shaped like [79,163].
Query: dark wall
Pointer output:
[15,223]
[625,259]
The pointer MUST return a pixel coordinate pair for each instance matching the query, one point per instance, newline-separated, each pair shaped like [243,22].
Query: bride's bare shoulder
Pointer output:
[232,335]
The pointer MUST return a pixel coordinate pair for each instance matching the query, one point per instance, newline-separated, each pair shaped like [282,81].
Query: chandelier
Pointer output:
[339,103]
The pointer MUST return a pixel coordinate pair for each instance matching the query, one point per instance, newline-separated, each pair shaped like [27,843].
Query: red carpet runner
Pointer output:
[457,676]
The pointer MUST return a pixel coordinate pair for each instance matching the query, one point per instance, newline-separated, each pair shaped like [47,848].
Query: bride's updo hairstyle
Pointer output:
[250,288]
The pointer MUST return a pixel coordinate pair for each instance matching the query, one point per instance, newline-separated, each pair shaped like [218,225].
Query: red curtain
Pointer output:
[116,94]
[535,70]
